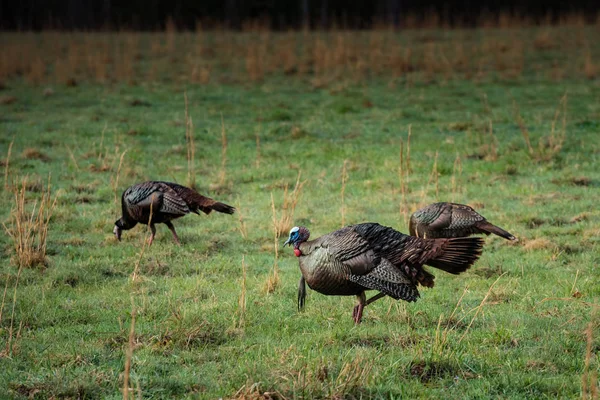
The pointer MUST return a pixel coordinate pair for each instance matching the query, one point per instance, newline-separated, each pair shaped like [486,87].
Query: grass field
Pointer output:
[216,317]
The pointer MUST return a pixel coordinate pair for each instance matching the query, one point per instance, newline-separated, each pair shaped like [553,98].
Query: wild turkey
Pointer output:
[448,220]
[370,256]
[164,201]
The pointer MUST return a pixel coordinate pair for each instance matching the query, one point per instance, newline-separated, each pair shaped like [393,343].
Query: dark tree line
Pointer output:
[279,14]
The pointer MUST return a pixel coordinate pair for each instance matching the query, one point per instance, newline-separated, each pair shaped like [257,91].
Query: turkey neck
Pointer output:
[126,218]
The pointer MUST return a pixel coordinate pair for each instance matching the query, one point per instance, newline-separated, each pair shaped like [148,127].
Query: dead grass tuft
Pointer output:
[539,244]
[7,99]
[284,223]
[581,181]
[590,69]
[426,371]
[190,145]
[28,226]
[252,391]
[35,154]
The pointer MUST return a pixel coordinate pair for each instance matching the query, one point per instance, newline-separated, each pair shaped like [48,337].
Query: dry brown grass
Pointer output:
[456,174]
[10,346]
[7,164]
[129,353]
[283,224]
[241,322]
[551,144]
[590,69]
[404,177]
[28,226]
[223,173]
[190,145]
[35,154]
[338,55]
[342,192]
[479,308]
[273,279]
[243,229]
[539,244]
[589,378]
[7,99]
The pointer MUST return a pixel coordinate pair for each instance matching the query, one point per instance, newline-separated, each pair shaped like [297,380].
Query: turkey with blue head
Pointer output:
[369,256]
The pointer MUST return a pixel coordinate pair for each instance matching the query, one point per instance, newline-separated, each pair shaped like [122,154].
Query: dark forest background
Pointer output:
[153,14]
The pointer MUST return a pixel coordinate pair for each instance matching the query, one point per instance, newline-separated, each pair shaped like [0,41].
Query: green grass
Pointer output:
[526,341]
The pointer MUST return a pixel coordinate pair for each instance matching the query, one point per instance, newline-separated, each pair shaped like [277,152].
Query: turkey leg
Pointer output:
[153,229]
[358,309]
[172,229]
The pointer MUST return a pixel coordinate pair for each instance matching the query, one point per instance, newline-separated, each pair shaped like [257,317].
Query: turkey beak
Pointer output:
[117,232]
[287,242]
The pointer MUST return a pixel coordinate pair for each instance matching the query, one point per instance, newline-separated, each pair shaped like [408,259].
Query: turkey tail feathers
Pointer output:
[489,228]
[222,208]
[457,254]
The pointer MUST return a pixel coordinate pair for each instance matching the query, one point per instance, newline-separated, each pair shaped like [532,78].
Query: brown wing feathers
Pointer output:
[196,202]
[455,255]
[447,220]
[451,255]
[488,228]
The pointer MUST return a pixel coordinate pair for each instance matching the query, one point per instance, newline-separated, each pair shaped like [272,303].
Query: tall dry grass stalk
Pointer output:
[480,307]
[408,169]
[116,178]
[589,379]
[223,174]
[241,322]
[590,69]
[129,353]
[456,171]
[433,179]
[190,144]
[28,228]
[283,224]
[72,157]
[404,177]
[6,166]
[4,297]
[8,350]
[342,192]
[551,144]
[353,374]
[491,147]
[273,279]
[441,336]
[558,136]
[257,159]
[243,229]
[523,129]
[131,342]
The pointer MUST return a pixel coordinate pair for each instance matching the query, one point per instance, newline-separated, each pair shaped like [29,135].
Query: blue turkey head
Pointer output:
[298,234]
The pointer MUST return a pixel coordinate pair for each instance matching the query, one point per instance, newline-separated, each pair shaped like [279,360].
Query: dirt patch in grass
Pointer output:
[7,99]
[581,181]
[369,341]
[533,222]
[539,244]
[426,371]
[34,154]
[139,103]
[584,216]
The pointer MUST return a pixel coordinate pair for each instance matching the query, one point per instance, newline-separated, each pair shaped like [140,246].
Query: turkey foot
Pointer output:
[357,313]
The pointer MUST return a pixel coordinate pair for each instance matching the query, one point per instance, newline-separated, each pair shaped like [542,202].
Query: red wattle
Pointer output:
[297,252]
